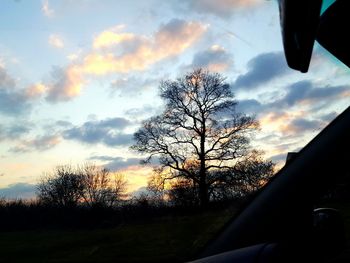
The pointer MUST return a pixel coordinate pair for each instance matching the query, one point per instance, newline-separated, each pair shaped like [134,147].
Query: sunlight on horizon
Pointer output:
[78,77]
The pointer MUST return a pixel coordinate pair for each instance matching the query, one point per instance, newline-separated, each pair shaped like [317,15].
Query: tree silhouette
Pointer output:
[62,188]
[199,131]
[100,187]
[88,184]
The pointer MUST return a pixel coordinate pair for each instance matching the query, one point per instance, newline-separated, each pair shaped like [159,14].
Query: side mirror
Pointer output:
[332,33]
[299,22]
[328,232]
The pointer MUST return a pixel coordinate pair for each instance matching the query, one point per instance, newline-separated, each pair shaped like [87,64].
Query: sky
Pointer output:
[77,77]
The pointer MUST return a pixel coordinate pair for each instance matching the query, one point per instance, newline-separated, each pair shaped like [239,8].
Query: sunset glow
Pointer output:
[78,77]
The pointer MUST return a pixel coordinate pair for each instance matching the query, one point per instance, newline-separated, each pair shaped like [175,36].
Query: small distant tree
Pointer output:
[244,178]
[62,188]
[252,173]
[88,184]
[101,188]
[199,133]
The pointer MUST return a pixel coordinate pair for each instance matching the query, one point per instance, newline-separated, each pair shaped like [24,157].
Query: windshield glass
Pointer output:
[92,87]
[70,65]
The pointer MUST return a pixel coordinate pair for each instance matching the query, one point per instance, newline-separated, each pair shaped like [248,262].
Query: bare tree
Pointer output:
[89,184]
[63,187]
[101,188]
[199,130]
[247,176]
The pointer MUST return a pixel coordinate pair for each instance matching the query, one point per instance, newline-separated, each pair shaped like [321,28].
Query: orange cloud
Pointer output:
[112,37]
[172,39]
[217,67]
[175,37]
[112,55]
[278,122]
[99,64]
[291,123]
[74,82]
[273,120]
[67,84]
[36,90]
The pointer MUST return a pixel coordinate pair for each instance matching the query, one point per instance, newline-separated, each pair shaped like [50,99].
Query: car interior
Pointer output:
[291,219]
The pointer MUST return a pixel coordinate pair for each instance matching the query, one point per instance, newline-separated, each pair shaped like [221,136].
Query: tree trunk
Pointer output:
[203,188]
[203,193]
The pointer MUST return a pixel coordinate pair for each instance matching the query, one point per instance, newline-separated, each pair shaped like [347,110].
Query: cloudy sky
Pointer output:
[78,77]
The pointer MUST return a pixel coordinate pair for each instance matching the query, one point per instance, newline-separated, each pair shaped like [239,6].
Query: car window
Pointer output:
[138,130]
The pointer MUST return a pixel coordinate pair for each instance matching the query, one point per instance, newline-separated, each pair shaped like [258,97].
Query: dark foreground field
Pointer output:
[165,239]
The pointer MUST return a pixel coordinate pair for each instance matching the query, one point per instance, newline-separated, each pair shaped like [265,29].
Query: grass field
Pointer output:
[166,239]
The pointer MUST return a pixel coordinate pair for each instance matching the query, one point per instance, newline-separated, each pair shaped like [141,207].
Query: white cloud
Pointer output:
[45,8]
[72,56]
[56,41]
